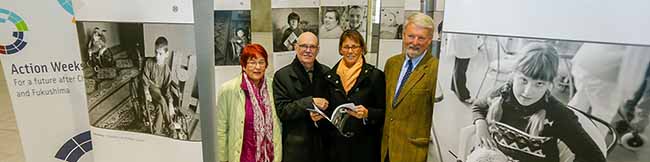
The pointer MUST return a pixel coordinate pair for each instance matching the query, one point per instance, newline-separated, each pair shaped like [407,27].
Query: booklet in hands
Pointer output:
[339,116]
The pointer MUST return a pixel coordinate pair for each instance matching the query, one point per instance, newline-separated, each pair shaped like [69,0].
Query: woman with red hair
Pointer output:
[248,129]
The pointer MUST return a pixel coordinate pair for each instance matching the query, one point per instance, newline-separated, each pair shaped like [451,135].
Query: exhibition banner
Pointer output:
[140,66]
[39,53]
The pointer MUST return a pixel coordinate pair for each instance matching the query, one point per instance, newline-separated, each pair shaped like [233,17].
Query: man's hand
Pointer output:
[360,112]
[315,116]
[321,103]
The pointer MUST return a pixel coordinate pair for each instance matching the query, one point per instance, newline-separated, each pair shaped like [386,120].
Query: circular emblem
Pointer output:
[10,18]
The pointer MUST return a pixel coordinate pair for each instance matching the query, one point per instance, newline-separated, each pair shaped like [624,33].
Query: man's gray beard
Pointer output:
[405,51]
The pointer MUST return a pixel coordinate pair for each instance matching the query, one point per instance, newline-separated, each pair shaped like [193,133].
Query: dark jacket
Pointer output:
[368,90]
[293,93]
[561,124]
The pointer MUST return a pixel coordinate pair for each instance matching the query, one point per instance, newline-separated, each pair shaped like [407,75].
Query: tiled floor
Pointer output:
[10,148]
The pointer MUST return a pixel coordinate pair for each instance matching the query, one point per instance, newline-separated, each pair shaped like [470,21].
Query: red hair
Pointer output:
[253,51]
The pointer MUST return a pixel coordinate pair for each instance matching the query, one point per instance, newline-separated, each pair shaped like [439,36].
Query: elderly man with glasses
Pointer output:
[293,87]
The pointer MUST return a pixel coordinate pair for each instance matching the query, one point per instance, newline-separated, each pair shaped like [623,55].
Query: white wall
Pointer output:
[625,21]
[179,11]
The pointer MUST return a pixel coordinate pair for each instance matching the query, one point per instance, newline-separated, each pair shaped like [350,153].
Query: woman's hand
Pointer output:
[321,103]
[360,112]
[315,116]
[483,135]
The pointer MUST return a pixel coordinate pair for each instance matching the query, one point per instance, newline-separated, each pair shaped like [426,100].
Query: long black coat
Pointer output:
[369,91]
[292,90]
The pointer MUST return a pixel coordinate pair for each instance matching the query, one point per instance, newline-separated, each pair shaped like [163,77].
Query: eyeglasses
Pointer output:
[255,63]
[304,46]
[351,47]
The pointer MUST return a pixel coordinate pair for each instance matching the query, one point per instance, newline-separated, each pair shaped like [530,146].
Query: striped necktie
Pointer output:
[409,68]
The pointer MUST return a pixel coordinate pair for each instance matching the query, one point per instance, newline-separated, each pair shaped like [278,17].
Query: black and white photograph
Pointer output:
[355,18]
[331,26]
[289,23]
[141,78]
[524,99]
[437,18]
[234,27]
[336,19]
[391,21]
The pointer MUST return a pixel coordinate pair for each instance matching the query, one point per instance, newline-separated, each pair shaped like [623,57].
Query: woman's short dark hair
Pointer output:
[354,36]
[293,16]
[253,50]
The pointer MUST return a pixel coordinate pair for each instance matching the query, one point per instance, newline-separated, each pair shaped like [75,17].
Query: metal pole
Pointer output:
[428,7]
[203,32]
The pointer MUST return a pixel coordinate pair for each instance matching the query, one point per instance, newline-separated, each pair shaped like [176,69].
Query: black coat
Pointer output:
[369,91]
[293,93]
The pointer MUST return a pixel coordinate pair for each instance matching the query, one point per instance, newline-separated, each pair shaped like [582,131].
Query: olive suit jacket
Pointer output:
[406,134]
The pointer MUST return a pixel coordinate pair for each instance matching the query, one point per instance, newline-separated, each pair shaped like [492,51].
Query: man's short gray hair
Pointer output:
[421,20]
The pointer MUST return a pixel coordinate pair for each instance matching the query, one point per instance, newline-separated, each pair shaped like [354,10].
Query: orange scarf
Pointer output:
[349,75]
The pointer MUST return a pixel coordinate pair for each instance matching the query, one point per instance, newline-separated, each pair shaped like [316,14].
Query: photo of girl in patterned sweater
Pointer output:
[524,121]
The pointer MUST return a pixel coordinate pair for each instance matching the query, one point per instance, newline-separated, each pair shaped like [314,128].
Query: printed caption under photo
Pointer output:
[117,137]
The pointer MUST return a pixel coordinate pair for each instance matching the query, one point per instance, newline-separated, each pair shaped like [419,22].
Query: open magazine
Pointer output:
[339,116]
[290,40]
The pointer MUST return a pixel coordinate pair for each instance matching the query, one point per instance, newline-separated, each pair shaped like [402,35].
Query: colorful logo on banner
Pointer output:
[67,5]
[73,149]
[7,17]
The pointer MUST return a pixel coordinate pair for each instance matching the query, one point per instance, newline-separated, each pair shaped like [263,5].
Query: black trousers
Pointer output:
[459,79]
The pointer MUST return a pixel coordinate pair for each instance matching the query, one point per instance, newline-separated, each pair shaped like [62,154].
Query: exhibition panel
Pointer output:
[43,70]
[140,70]
[533,85]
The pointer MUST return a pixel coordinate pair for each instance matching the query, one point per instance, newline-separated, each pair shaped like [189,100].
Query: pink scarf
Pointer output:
[262,119]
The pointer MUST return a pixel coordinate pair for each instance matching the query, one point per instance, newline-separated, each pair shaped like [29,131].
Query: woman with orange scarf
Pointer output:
[352,80]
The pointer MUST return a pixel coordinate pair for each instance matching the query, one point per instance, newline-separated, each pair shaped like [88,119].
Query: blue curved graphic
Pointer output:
[67,5]
[19,34]
[73,149]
